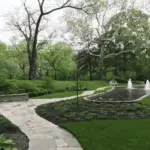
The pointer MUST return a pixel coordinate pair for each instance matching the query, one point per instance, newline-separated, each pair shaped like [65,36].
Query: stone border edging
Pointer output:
[14,97]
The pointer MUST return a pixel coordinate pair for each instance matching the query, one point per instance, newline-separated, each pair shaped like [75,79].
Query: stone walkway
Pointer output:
[42,134]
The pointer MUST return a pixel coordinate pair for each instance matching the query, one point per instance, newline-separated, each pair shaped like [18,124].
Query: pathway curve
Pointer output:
[42,134]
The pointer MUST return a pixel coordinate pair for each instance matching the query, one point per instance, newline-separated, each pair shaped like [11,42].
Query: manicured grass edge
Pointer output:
[75,136]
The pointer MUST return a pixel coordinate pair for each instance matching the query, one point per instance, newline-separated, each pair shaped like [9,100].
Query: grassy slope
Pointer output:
[112,135]
[57,95]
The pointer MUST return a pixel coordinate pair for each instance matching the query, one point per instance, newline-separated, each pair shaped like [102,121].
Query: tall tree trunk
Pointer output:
[33,57]
[115,65]
[101,62]
[32,69]
[90,68]
[55,74]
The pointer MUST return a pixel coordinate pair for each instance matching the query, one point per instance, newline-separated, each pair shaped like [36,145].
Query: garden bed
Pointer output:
[12,132]
[66,111]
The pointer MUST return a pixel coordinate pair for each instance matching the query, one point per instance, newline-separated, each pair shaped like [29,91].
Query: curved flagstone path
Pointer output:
[42,134]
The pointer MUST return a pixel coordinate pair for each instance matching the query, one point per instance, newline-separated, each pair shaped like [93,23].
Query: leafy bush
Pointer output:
[121,80]
[110,76]
[130,74]
[48,83]
[6,144]
[40,92]
[82,85]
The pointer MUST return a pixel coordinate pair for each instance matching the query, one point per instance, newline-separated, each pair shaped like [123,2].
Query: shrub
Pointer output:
[8,87]
[6,144]
[82,85]
[48,83]
[110,76]
[40,92]
[121,80]
[130,74]
[26,87]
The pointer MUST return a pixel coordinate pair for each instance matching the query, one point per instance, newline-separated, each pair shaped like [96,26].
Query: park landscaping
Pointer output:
[102,126]
[51,60]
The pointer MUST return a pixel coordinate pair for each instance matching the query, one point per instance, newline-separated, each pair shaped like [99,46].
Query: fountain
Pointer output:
[130,86]
[147,85]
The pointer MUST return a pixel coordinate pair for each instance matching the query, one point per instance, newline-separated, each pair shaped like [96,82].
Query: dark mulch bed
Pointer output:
[66,111]
[10,131]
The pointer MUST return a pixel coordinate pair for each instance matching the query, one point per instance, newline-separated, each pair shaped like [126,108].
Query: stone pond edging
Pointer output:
[14,97]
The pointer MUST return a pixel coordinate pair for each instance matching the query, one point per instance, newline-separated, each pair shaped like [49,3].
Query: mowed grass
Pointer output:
[89,85]
[103,90]
[146,101]
[112,135]
[58,95]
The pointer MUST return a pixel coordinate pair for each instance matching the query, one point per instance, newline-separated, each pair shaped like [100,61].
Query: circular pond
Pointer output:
[120,94]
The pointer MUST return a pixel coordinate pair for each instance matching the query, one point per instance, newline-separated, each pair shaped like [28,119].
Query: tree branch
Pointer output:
[110,55]
[41,5]
[29,21]
[68,6]
[18,26]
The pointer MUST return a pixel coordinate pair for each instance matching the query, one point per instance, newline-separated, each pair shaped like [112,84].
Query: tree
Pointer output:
[19,52]
[129,31]
[58,58]
[86,64]
[30,27]
[123,34]
[7,64]
[93,27]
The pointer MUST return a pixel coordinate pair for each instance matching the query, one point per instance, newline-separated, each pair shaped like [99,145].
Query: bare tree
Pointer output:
[31,26]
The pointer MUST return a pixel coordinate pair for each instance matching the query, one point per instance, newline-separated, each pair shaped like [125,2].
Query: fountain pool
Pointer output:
[120,94]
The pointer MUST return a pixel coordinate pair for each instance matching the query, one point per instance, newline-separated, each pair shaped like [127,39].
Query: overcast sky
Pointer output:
[7,6]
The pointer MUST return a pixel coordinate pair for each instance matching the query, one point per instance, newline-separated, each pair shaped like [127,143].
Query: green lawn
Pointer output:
[145,101]
[112,135]
[103,90]
[89,85]
[58,95]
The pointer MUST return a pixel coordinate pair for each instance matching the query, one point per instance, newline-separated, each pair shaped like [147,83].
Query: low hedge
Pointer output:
[36,88]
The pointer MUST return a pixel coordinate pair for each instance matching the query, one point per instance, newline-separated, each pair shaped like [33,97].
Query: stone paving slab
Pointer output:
[42,134]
